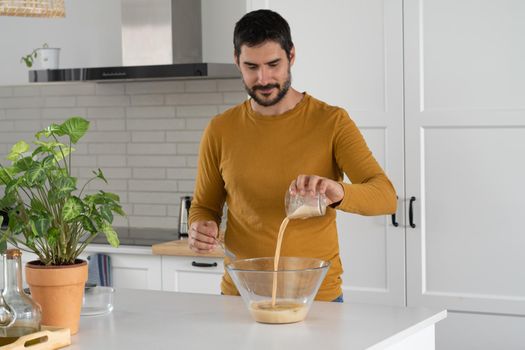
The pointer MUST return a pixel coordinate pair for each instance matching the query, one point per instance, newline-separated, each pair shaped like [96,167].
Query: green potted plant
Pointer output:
[50,216]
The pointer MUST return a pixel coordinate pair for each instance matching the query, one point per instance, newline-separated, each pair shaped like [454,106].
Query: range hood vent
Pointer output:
[161,40]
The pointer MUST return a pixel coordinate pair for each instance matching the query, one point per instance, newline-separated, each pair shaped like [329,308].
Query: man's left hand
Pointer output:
[313,184]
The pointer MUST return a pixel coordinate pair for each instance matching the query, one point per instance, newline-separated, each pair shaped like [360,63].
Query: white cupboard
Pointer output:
[436,87]
[192,274]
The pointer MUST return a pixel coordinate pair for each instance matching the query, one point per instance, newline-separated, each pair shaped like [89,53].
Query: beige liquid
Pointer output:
[285,311]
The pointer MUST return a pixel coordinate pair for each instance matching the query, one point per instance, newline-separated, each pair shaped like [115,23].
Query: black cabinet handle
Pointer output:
[394,222]
[411,212]
[199,264]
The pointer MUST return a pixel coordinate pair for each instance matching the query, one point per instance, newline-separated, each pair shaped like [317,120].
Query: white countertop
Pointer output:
[168,320]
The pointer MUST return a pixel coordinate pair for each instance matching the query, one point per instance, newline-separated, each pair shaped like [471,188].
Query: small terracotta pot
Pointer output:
[59,291]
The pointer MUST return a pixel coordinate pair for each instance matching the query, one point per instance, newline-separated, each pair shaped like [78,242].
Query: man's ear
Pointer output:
[236,60]
[292,55]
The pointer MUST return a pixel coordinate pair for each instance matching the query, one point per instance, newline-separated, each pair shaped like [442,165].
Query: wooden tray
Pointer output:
[50,338]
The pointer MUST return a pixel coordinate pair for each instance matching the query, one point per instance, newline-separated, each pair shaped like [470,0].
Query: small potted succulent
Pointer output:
[50,216]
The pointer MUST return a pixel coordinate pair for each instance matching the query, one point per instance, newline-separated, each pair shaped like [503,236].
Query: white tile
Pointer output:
[191,161]
[149,210]
[152,148]
[106,112]
[26,91]
[235,97]
[182,173]
[200,85]
[197,123]
[188,148]
[150,112]
[107,148]
[60,101]
[6,91]
[155,124]
[153,222]
[156,161]
[147,100]
[148,136]
[109,173]
[157,87]
[152,185]
[56,114]
[230,85]
[18,114]
[110,124]
[183,136]
[197,111]
[149,173]
[111,160]
[112,186]
[108,136]
[21,102]
[83,161]
[6,126]
[28,125]
[74,89]
[102,101]
[109,89]
[194,99]
[187,186]
[153,198]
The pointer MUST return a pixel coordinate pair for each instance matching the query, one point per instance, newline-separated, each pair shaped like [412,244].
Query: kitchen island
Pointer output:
[167,320]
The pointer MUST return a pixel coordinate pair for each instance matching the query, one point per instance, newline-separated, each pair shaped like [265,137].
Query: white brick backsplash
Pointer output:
[149,210]
[152,185]
[224,108]
[6,126]
[109,136]
[186,186]
[194,99]
[147,100]
[144,136]
[57,114]
[182,173]
[157,87]
[111,160]
[197,111]
[21,102]
[107,148]
[234,97]
[146,221]
[68,89]
[152,148]
[200,85]
[105,112]
[102,101]
[26,91]
[155,124]
[150,112]
[109,89]
[6,91]
[110,124]
[28,125]
[156,161]
[183,136]
[61,101]
[188,148]
[153,198]
[149,173]
[197,123]
[120,221]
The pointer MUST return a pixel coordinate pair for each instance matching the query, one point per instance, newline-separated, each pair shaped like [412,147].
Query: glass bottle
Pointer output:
[28,312]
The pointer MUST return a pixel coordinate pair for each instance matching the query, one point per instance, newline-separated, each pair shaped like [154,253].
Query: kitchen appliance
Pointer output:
[161,39]
[185,204]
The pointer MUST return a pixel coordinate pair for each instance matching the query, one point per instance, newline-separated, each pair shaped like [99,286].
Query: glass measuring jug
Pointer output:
[303,206]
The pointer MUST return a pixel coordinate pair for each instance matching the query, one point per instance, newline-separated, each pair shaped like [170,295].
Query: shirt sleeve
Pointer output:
[209,194]
[370,191]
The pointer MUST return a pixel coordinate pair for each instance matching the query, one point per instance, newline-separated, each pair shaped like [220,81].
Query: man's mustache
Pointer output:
[265,87]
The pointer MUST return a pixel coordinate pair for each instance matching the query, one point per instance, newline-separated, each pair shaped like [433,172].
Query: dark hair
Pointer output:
[256,27]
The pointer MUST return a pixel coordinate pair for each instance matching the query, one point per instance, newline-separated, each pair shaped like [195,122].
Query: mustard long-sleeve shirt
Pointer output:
[249,160]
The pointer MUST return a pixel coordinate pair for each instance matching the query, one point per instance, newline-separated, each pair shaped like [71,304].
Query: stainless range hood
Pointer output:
[161,39]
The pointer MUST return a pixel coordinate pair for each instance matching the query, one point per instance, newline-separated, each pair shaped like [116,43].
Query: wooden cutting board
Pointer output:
[180,248]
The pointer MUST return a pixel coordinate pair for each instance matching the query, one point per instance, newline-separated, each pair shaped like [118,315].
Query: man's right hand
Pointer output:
[203,235]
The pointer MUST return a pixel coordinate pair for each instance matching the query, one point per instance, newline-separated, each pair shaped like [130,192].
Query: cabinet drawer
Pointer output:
[192,274]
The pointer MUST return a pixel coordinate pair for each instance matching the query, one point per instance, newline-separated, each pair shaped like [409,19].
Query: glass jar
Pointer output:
[27,311]
[304,206]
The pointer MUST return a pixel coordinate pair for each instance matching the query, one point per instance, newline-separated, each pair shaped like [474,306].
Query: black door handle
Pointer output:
[394,222]
[411,212]
[199,264]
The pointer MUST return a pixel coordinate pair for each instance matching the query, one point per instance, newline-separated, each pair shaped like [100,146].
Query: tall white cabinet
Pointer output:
[437,88]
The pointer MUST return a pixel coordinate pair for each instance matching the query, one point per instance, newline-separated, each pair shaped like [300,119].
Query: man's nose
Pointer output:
[263,76]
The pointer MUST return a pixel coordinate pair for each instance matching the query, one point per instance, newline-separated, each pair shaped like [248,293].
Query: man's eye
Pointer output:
[273,65]
[252,67]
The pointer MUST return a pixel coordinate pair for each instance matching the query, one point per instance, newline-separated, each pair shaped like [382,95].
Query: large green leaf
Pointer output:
[6,175]
[88,224]
[24,164]
[40,225]
[18,150]
[75,128]
[72,208]
[106,214]
[65,185]
[36,174]
[8,200]
[110,233]
[53,129]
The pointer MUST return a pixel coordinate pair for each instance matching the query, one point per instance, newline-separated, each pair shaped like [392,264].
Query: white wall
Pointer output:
[88,36]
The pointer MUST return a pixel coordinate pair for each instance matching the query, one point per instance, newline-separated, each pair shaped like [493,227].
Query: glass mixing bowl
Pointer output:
[296,283]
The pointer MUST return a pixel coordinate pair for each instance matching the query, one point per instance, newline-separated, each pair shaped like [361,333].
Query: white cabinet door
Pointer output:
[350,54]
[192,274]
[465,132]
[136,271]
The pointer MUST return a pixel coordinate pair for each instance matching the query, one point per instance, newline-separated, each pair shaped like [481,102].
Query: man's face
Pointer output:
[265,71]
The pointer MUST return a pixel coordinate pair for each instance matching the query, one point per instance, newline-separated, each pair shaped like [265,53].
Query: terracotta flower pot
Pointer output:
[59,291]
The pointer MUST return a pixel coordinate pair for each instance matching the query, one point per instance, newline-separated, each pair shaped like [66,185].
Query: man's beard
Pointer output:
[266,103]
